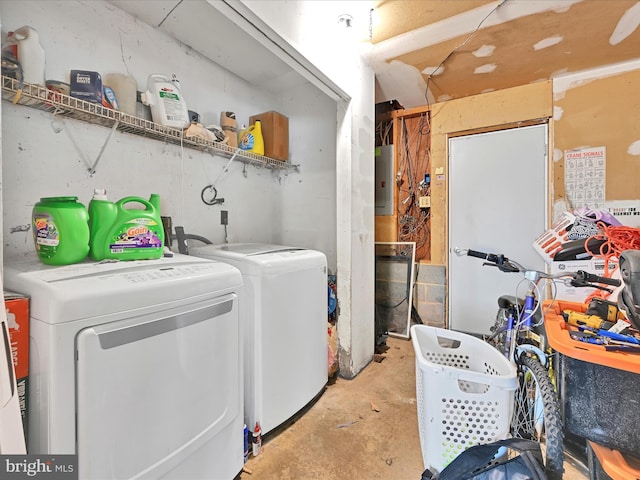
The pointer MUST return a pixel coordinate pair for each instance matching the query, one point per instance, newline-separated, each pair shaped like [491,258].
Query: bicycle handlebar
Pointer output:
[583,279]
[498,260]
[579,278]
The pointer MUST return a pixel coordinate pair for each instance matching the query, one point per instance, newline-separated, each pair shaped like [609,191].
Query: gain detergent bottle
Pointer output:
[121,233]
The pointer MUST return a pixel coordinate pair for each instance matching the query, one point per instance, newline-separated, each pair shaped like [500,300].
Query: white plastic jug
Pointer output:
[30,54]
[125,88]
[168,106]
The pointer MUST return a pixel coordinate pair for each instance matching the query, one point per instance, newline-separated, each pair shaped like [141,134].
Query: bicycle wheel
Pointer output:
[536,414]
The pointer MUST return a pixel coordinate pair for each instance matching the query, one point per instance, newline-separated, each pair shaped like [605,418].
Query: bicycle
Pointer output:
[519,334]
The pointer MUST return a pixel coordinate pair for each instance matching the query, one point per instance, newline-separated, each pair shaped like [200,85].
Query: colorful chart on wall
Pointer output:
[394,273]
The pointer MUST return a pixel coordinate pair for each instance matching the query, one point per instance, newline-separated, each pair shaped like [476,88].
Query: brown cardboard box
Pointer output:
[17,307]
[275,132]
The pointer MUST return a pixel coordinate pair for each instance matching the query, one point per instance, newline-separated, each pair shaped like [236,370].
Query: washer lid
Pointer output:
[90,289]
[263,259]
[254,248]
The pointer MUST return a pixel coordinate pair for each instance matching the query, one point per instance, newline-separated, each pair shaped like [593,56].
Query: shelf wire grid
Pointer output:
[44,99]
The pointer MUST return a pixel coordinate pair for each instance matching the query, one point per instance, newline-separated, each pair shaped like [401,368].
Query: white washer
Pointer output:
[284,313]
[136,366]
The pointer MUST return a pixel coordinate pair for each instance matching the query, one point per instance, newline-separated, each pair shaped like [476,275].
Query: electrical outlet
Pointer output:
[224,217]
[424,202]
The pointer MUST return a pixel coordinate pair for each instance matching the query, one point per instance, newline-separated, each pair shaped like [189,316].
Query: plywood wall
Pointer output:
[599,109]
[411,137]
[592,109]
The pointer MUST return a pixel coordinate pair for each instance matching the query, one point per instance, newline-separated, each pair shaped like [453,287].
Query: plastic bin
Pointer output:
[608,464]
[599,388]
[464,391]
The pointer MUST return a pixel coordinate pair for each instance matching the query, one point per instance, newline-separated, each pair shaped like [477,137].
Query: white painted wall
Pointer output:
[327,206]
[312,27]
[45,156]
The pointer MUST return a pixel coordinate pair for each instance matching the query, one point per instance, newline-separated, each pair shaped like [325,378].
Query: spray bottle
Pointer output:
[256,440]
[168,106]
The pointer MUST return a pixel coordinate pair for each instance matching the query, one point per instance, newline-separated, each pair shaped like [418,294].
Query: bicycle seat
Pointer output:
[629,297]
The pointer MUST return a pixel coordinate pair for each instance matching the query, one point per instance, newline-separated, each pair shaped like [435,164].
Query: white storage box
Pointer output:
[464,388]
[591,265]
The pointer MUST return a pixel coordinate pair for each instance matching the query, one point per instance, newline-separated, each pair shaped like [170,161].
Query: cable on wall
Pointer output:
[413,182]
[466,40]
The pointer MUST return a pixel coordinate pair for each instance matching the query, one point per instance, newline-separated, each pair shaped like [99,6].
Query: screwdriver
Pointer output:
[610,337]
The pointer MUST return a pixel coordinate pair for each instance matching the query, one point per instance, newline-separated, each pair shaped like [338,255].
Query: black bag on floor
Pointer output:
[479,463]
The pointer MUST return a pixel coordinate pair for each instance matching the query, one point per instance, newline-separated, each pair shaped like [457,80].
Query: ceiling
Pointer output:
[426,51]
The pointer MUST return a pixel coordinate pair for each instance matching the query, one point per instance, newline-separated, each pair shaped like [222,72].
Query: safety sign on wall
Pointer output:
[584,177]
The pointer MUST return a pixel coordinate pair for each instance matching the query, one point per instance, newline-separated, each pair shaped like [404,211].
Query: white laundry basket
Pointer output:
[464,390]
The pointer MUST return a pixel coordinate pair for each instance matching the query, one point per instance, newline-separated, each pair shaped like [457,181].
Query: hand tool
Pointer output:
[578,319]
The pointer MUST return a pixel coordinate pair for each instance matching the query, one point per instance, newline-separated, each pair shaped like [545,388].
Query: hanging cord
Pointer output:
[426,90]
[415,162]
[212,187]
[616,239]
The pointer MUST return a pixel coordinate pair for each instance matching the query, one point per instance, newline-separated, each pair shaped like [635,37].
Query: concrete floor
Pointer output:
[365,428]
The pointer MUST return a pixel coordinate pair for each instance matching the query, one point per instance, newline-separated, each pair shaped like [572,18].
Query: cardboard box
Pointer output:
[275,132]
[86,85]
[591,265]
[17,309]
[550,242]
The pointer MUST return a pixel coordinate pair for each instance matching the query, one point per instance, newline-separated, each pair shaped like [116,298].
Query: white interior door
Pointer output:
[497,204]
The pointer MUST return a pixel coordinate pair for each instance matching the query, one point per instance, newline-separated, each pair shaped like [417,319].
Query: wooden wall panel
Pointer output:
[386,228]
[599,112]
[413,161]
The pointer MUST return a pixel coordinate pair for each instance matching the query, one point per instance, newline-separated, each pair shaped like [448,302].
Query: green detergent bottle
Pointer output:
[121,233]
[60,230]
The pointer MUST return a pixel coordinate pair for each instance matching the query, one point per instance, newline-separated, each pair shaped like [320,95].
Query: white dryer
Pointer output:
[284,314]
[135,366]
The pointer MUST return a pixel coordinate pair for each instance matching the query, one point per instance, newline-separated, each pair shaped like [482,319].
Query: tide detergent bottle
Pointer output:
[60,230]
[251,139]
[121,233]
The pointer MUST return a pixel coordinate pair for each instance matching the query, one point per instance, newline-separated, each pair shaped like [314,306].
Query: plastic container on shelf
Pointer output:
[60,230]
[125,88]
[465,392]
[30,54]
[251,139]
[599,388]
[166,101]
[125,233]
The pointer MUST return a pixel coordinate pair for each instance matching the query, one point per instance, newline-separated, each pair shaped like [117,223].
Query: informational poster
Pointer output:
[584,177]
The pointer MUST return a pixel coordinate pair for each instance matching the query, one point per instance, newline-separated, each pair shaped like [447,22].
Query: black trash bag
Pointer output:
[523,462]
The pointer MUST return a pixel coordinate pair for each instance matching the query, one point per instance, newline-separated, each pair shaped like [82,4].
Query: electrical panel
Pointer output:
[385,178]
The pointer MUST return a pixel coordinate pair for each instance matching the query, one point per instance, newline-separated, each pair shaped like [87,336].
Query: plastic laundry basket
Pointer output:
[465,390]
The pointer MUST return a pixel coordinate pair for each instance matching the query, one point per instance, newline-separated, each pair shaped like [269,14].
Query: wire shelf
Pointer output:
[41,98]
